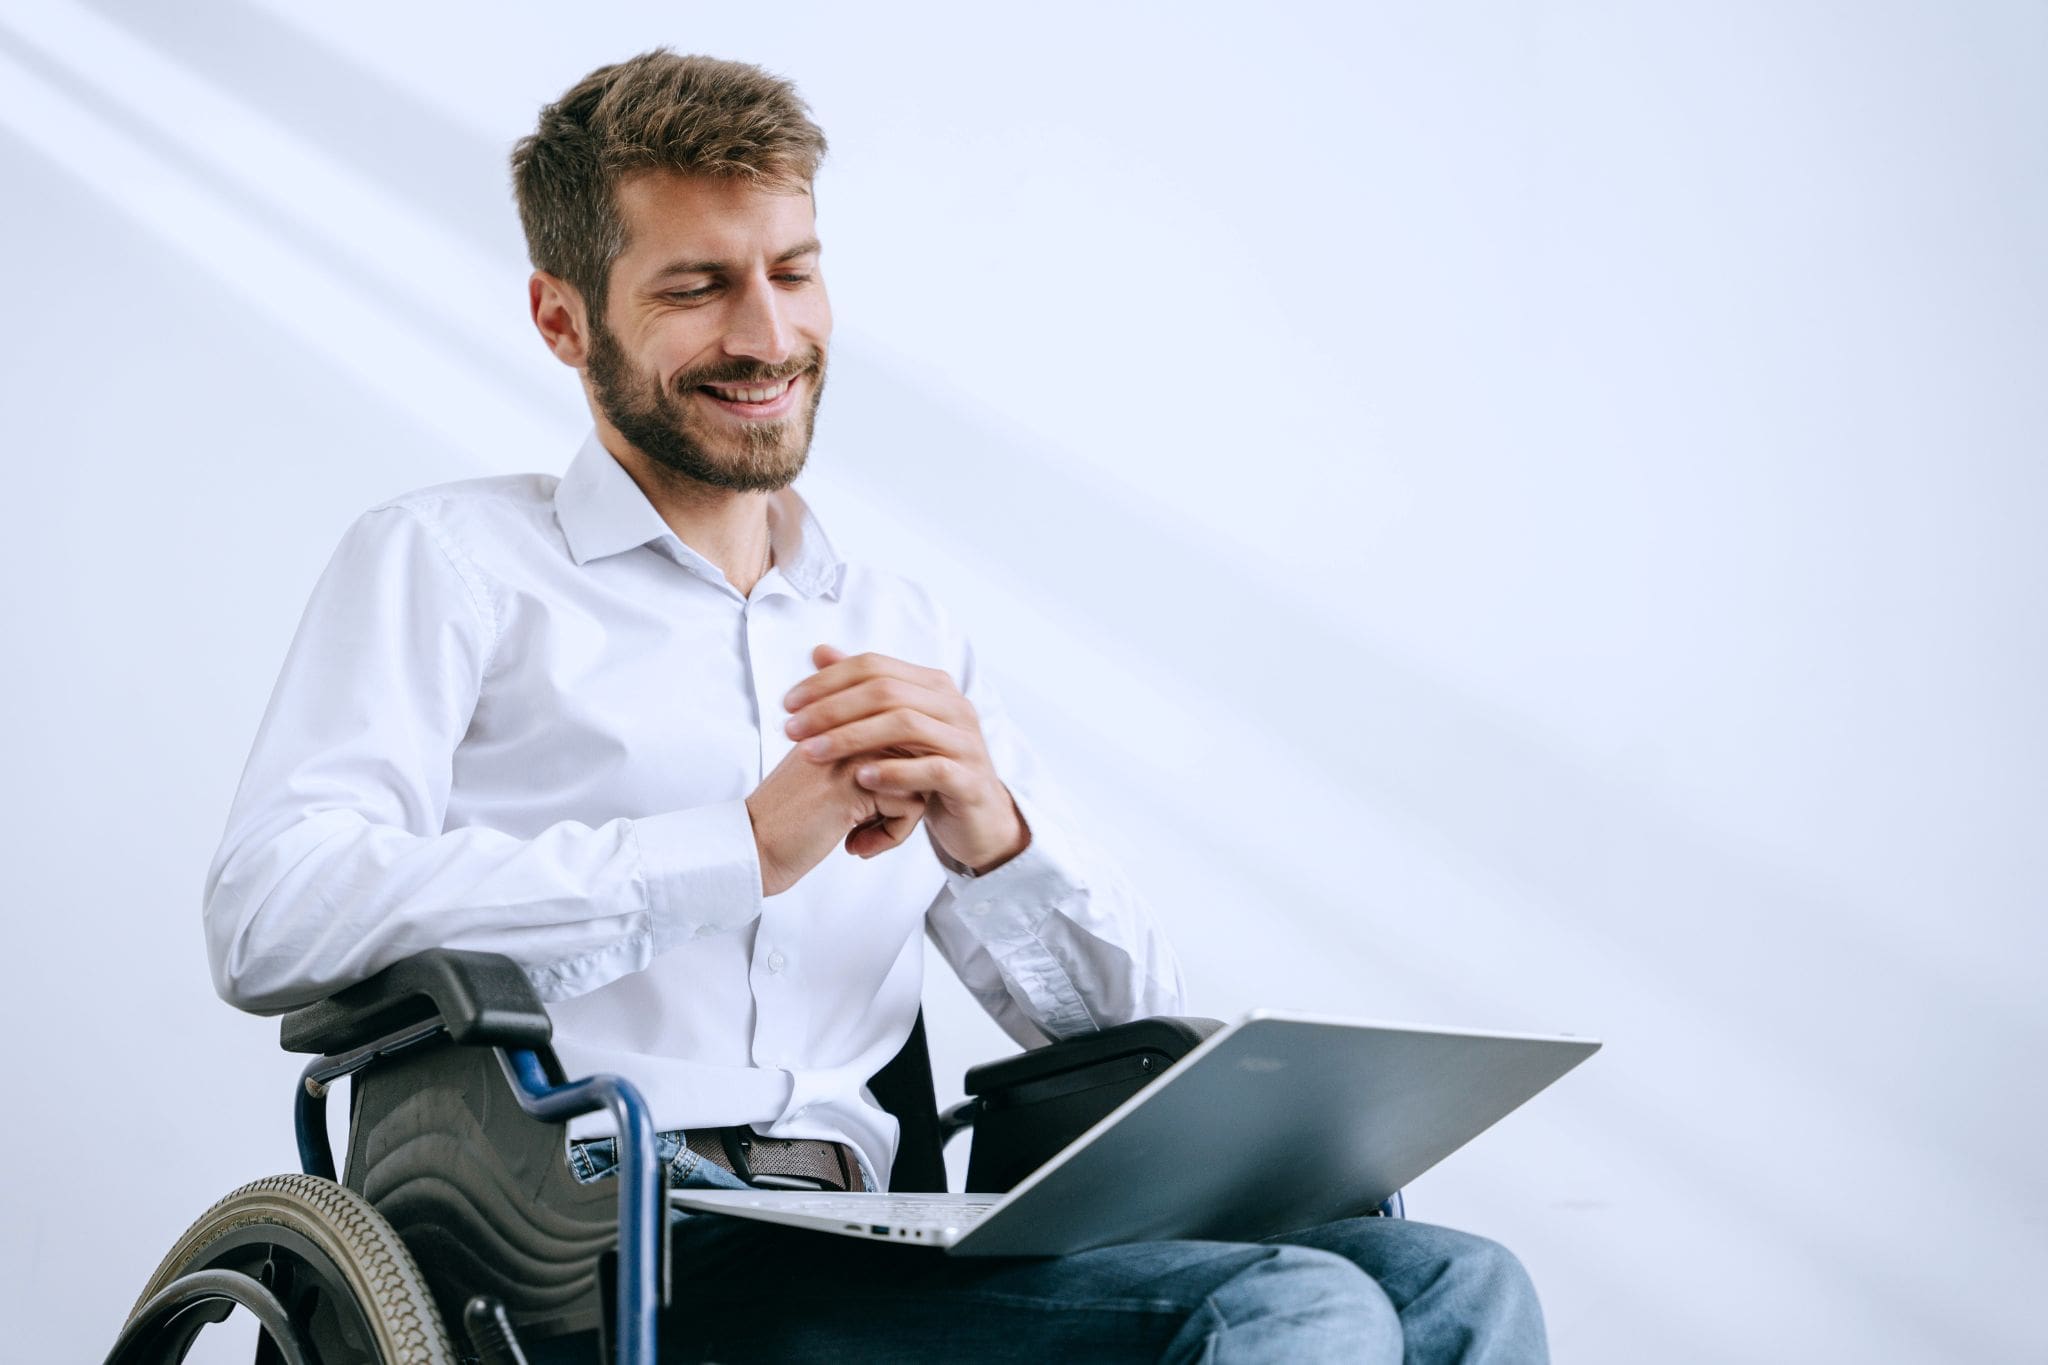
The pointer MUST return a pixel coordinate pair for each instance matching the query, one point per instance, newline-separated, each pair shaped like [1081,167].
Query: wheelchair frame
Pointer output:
[570,1257]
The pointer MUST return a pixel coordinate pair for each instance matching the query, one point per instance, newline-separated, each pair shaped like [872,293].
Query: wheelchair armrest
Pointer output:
[481,998]
[1025,1109]
[1164,1038]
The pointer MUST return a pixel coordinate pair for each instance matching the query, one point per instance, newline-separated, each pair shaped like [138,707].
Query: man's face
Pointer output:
[709,356]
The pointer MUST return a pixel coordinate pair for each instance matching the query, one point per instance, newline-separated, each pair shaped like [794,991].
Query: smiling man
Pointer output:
[644,731]
[727,402]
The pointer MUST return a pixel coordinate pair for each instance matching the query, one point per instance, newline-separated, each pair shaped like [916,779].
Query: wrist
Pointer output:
[996,845]
[774,879]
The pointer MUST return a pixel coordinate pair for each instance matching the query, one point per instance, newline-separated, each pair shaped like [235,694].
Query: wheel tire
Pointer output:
[314,1221]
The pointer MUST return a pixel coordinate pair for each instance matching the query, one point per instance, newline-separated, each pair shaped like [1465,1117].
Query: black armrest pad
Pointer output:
[482,998]
[1171,1037]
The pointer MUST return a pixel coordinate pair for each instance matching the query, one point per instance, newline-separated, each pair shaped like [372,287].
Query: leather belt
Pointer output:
[778,1163]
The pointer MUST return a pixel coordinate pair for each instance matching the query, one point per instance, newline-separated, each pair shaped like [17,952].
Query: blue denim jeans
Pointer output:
[1382,1290]
[599,1157]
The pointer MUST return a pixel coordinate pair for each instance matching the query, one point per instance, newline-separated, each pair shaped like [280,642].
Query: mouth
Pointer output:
[756,402]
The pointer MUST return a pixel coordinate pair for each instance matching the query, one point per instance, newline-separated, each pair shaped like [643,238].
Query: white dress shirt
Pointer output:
[521,716]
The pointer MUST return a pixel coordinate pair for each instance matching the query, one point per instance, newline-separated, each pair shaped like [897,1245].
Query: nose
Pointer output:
[757,328]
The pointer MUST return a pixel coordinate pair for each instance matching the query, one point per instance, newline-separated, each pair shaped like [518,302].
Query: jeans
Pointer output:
[598,1157]
[1362,1289]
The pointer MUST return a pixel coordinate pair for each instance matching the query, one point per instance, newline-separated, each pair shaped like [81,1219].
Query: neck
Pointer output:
[728,528]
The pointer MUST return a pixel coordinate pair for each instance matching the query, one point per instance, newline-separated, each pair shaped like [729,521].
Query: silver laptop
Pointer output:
[1276,1123]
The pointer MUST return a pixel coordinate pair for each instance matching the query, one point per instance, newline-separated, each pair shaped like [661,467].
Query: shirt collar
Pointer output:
[603,512]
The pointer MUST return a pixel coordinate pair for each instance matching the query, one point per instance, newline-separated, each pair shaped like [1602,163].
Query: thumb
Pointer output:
[824,656]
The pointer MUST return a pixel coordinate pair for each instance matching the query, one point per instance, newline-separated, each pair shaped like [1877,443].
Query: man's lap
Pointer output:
[746,1290]
[762,1292]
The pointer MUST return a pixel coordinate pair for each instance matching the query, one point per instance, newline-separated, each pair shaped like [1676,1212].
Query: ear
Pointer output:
[559,317]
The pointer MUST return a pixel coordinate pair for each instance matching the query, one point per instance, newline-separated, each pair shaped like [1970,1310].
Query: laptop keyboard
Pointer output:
[906,1209]
[898,1210]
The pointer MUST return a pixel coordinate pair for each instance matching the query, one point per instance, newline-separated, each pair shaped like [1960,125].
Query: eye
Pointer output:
[793,279]
[691,295]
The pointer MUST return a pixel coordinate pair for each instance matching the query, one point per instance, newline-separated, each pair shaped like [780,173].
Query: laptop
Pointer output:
[1276,1123]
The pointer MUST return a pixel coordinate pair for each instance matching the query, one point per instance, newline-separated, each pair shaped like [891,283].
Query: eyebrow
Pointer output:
[807,247]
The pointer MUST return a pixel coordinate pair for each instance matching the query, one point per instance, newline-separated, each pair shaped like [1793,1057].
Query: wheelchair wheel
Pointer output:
[351,1289]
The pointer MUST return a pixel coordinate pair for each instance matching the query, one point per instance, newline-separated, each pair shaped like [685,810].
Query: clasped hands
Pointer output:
[881,746]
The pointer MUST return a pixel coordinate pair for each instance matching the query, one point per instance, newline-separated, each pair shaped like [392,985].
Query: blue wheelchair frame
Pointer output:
[643,1212]
[408,1014]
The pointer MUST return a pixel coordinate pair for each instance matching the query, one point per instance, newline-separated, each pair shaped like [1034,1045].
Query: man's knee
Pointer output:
[1464,1298]
[1460,1297]
[1292,1304]
[1466,1264]
[1408,1257]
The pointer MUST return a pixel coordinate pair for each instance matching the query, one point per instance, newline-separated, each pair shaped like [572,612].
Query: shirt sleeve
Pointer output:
[335,862]
[1055,942]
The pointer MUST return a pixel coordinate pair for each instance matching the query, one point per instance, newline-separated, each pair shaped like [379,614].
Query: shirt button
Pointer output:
[776,961]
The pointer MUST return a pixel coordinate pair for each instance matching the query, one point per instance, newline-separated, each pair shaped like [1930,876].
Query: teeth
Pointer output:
[751,394]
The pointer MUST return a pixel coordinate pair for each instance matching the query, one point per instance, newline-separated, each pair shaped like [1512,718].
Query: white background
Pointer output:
[1520,515]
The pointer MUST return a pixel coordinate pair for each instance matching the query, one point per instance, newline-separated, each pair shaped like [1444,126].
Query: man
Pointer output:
[643,731]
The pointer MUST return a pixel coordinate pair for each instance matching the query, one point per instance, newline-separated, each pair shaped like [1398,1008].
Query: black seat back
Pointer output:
[480,1191]
[904,1087]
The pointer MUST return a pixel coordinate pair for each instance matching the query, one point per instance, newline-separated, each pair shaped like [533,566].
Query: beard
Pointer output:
[755,457]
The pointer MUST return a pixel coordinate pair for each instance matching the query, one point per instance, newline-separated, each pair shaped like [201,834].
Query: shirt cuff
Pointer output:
[1027,888]
[701,870]
[1007,910]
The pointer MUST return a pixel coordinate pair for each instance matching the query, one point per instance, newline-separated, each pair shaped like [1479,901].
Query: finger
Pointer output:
[876,696]
[933,775]
[892,734]
[845,671]
[883,833]
[892,807]
[868,840]
[824,656]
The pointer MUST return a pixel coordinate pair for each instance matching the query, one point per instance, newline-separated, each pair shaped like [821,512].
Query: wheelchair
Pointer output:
[458,1232]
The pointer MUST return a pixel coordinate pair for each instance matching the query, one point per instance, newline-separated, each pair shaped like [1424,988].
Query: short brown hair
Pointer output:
[656,111]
